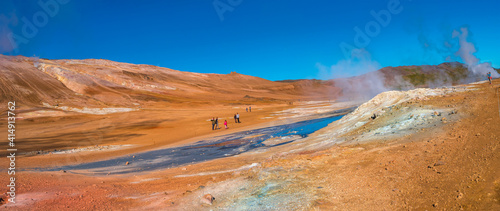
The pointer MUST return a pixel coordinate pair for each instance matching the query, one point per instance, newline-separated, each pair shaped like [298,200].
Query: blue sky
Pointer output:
[280,39]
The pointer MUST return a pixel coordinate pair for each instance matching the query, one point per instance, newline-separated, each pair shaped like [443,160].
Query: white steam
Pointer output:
[359,63]
[466,53]
[369,82]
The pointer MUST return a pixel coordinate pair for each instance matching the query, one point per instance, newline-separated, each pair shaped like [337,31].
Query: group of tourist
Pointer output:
[215,120]
[237,118]
[215,123]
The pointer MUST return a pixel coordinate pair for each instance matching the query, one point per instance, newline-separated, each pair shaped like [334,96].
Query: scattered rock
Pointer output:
[208,199]
[435,204]
[127,163]
[478,134]
[184,169]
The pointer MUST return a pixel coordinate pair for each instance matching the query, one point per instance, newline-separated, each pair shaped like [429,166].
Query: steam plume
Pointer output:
[466,53]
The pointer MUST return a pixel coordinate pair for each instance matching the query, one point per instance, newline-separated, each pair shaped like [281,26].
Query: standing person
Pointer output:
[235,119]
[247,109]
[238,117]
[225,123]
[217,123]
[489,76]
[250,108]
[213,123]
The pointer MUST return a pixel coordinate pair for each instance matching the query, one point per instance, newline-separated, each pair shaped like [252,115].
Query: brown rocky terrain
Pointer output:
[424,149]
[102,83]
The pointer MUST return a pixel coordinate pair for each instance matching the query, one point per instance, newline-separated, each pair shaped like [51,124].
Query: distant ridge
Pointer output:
[103,83]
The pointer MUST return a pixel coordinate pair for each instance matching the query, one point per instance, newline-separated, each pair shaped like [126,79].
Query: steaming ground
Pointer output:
[422,151]
[426,149]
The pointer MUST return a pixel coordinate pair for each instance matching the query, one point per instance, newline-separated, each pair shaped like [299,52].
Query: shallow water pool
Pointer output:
[209,149]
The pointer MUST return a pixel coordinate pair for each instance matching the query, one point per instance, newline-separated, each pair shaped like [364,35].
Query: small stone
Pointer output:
[435,204]
[478,134]
[208,199]
[184,169]
[127,163]
[439,163]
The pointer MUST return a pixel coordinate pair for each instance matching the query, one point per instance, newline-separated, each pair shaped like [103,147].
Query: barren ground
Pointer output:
[450,163]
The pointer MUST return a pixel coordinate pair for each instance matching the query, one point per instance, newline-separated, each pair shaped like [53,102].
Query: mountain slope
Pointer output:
[101,83]
[97,83]
[370,84]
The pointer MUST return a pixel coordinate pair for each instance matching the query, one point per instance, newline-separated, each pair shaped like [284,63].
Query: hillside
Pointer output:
[397,78]
[97,83]
[103,83]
